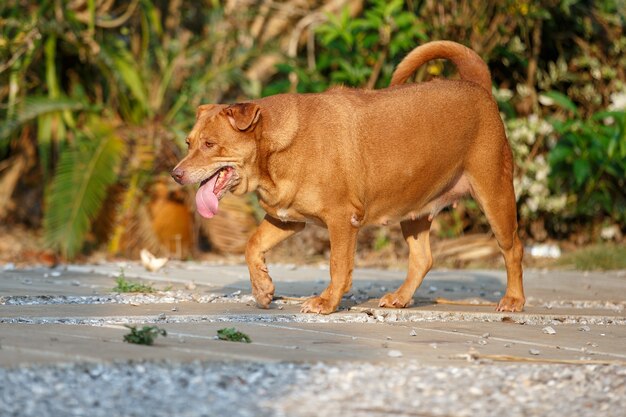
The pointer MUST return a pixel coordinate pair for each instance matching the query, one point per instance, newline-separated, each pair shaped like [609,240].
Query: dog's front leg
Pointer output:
[269,233]
[342,248]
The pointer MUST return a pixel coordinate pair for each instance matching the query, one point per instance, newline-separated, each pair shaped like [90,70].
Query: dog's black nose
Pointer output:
[178,174]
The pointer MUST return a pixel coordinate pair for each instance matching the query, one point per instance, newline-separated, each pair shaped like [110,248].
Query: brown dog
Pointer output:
[347,158]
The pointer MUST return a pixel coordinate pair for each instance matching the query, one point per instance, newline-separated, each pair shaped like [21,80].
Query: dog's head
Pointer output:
[222,153]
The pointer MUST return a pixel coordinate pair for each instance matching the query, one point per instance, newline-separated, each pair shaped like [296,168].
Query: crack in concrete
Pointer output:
[363,316]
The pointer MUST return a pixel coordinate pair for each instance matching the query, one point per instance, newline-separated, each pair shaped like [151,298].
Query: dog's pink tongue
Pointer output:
[206,201]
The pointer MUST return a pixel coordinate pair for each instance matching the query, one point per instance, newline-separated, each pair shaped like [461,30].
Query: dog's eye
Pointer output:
[187,142]
[208,144]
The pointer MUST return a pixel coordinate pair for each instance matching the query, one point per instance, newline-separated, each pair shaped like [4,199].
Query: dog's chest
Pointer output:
[287,214]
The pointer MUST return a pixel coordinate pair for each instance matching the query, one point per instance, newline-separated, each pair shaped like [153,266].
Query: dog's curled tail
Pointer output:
[471,66]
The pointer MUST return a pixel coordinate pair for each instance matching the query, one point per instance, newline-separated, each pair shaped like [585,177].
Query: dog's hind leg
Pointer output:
[493,190]
[416,233]
[269,233]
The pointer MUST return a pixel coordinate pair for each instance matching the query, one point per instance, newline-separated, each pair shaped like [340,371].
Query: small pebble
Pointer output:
[485,335]
[174,309]
[482,342]
[584,328]
[549,330]
[534,351]
[161,316]
[55,273]
[413,333]
[394,354]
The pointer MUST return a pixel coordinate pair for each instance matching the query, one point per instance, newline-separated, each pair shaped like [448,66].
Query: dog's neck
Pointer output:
[277,129]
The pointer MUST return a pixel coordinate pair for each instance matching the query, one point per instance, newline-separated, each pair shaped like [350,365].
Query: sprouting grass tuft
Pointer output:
[233,335]
[143,336]
[124,285]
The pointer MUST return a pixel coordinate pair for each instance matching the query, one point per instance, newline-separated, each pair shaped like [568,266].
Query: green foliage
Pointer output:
[601,257]
[35,107]
[83,175]
[143,336]
[143,66]
[589,164]
[357,52]
[233,335]
[562,101]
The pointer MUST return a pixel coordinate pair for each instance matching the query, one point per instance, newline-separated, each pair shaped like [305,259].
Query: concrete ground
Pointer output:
[69,318]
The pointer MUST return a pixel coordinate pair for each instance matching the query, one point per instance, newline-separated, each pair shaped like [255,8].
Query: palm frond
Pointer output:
[125,71]
[79,187]
[34,107]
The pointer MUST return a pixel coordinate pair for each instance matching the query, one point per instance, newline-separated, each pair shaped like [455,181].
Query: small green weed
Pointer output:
[143,336]
[124,285]
[233,335]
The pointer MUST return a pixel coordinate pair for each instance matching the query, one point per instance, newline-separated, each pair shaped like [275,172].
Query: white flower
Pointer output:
[502,94]
[536,189]
[545,100]
[545,128]
[533,204]
[523,90]
[542,174]
[618,101]
[556,203]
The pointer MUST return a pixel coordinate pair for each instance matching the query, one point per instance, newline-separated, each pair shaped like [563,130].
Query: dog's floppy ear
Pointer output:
[203,109]
[243,116]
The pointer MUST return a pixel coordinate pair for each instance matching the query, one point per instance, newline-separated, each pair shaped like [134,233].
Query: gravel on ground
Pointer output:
[291,389]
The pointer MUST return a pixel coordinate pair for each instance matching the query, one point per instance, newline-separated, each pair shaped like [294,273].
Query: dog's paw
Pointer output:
[395,300]
[318,305]
[510,303]
[264,300]
[263,293]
